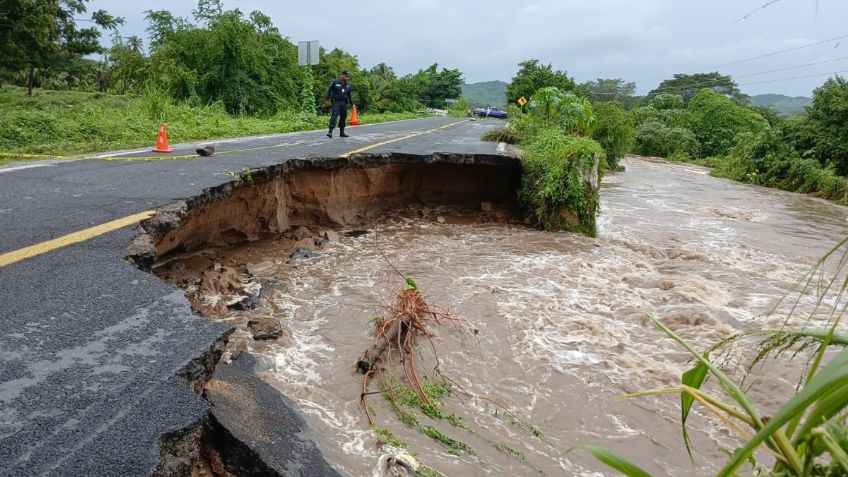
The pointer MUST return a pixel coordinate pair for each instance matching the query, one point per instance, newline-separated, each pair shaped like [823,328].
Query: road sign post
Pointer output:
[308,54]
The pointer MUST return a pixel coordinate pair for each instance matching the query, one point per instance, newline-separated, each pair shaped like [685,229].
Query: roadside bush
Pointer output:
[767,159]
[550,107]
[507,134]
[559,189]
[614,132]
[460,109]
[71,122]
[716,120]
[654,138]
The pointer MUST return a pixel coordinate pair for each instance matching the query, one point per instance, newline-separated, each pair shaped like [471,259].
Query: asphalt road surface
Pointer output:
[91,347]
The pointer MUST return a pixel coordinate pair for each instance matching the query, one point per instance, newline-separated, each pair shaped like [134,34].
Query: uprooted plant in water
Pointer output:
[417,398]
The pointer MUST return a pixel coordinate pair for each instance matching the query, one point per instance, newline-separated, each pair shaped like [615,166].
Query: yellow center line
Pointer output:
[72,238]
[383,143]
[15,256]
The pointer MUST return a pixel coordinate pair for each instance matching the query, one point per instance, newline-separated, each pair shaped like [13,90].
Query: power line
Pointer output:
[794,78]
[792,67]
[745,60]
[752,12]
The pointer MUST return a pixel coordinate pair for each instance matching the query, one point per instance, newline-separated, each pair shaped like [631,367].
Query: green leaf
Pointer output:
[775,437]
[410,284]
[693,378]
[615,461]
[829,383]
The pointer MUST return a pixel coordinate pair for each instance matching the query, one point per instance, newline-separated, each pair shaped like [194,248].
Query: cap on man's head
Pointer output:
[345,73]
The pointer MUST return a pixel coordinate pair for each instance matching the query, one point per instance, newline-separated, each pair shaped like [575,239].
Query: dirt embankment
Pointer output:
[206,244]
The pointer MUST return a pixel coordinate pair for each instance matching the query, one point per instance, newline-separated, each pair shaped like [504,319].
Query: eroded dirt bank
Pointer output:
[300,207]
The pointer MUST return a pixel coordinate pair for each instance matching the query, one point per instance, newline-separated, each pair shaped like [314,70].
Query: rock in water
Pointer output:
[301,233]
[265,328]
[331,236]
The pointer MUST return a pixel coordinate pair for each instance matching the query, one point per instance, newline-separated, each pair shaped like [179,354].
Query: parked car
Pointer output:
[490,113]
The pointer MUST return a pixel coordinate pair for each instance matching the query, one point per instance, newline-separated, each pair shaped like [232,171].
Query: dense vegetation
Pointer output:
[70,122]
[219,73]
[563,165]
[805,153]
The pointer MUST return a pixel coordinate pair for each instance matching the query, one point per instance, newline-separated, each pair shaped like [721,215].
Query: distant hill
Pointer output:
[786,105]
[486,93]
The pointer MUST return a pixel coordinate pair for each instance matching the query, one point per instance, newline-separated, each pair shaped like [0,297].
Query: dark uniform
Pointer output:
[339,94]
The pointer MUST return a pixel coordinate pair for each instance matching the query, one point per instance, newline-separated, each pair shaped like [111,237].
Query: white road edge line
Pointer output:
[28,166]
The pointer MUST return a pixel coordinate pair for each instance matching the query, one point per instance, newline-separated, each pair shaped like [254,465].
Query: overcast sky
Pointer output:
[644,41]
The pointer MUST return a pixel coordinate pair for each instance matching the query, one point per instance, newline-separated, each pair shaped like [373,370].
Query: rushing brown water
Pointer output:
[561,320]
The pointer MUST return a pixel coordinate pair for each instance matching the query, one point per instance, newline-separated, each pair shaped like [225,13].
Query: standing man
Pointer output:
[339,94]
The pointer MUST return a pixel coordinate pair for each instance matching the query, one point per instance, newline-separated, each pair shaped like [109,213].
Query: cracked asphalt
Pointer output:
[91,347]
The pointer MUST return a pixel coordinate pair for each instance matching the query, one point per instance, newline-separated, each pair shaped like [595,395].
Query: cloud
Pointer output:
[640,40]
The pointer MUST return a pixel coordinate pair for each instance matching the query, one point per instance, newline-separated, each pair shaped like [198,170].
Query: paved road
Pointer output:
[90,347]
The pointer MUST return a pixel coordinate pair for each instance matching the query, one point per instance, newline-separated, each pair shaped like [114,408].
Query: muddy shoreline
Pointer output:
[199,245]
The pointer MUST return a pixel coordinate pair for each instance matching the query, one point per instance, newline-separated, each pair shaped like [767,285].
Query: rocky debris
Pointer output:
[265,328]
[440,219]
[356,233]
[301,233]
[205,151]
[302,253]
[330,236]
[486,206]
[267,288]
[142,252]
[250,302]
[307,243]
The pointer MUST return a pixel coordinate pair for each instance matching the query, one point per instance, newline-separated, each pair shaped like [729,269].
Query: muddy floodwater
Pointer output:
[560,320]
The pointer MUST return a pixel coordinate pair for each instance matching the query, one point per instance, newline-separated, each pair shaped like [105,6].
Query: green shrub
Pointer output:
[507,134]
[654,138]
[550,107]
[825,131]
[614,132]
[559,189]
[716,120]
[767,159]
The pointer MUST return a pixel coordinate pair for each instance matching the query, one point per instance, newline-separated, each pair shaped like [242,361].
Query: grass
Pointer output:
[72,122]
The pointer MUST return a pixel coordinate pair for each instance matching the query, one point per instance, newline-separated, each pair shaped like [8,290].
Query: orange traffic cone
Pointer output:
[354,118]
[162,142]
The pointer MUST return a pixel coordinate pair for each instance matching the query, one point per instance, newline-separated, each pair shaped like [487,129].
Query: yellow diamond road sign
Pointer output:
[522,101]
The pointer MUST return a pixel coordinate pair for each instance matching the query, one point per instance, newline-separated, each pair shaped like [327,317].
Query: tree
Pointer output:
[128,67]
[244,63]
[532,77]
[39,33]
[606,90]
[824,129]
[716,120]
[687,86]
[614,131]
[432,87]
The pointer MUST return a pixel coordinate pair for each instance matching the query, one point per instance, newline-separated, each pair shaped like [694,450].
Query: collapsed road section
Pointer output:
[251,429]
